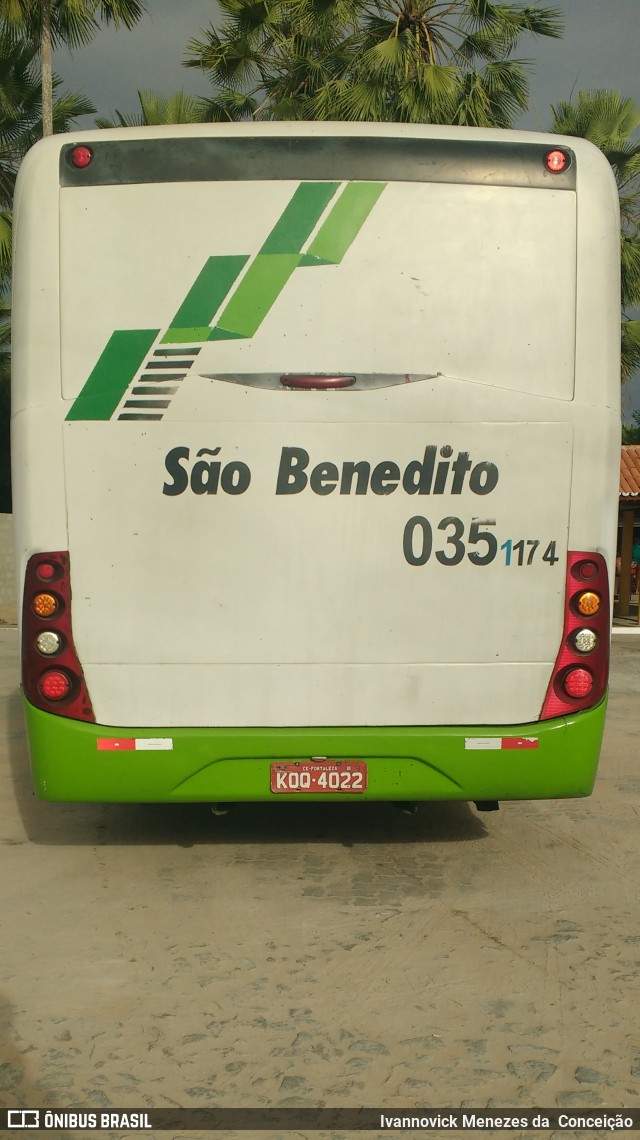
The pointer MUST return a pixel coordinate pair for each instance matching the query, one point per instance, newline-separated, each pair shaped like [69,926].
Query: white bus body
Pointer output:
[249,554]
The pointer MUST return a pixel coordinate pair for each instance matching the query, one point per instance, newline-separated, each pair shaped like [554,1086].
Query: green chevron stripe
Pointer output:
[208,292]
[270,271]
[115,369]
[262,284]
[298,219]
[272,267]
[343,223]
[190,336]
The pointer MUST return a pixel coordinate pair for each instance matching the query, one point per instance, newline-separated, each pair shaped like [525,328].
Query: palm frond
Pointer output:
[283,57]
[630,264]
[122,13]
[5,250]
[630,354]
[228,107]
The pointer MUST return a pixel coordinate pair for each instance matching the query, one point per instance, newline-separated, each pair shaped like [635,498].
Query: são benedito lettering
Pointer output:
[421,476]
[207,476]
[433,474]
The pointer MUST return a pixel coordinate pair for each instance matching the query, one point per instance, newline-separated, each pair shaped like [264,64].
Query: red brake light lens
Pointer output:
[81,156]
[54,685]
[556,161]
[577,683]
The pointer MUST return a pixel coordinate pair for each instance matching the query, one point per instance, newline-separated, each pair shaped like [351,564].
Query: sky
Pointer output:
[599,49]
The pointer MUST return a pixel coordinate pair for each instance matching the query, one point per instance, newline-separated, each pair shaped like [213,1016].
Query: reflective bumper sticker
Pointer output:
[484,743]
[135,744]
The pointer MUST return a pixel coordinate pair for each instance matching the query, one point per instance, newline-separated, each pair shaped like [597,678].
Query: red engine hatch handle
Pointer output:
[308,381]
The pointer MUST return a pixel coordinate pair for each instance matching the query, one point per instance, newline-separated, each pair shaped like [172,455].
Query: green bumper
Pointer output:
[233,764]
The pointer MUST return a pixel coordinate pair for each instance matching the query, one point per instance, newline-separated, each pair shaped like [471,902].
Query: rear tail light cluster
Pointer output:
[581,671]
[51,672]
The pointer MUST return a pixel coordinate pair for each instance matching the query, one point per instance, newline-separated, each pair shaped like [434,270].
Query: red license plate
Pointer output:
[342,777]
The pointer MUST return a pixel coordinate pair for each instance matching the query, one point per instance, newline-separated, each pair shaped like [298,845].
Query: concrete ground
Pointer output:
[283,955]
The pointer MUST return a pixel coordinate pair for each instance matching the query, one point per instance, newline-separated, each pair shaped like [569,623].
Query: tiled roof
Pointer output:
[630,470]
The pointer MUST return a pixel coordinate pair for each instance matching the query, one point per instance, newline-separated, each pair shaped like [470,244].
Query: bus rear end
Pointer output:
[316,434]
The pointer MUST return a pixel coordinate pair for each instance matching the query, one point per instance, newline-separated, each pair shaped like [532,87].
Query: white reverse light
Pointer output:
[48,642]
[585,640]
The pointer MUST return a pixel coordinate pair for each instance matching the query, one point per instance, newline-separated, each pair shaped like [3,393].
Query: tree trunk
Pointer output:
[47,68]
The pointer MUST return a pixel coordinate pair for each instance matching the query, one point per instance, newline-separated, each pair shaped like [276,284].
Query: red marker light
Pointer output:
[587,569]
[556,161]
[81,156]
[46,571]
[54,685]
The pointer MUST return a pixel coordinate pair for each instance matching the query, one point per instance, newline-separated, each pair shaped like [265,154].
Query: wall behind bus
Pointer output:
[8,611]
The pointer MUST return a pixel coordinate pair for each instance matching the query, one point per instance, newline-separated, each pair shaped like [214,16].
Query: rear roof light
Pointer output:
[556,161]
[81,157]
[61,689]
[574,687]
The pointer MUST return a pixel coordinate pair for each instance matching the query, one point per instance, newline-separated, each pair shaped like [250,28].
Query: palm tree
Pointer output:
[17,79]
[5,406]
[608,120]
[158,110]
[438,61]
[46,23]
[20,126]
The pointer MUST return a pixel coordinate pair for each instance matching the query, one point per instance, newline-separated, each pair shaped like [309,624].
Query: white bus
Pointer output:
[315,443]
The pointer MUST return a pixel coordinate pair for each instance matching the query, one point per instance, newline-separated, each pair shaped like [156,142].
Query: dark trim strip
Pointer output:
[139,416]
[168,363]
[147,403]
[152,378]
[148,390]
[177,352]
[135,161]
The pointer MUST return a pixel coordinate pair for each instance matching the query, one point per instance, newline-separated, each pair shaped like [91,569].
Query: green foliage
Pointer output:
[5,407]
[45,24]
[158,110]
[426,61]
[20,127]
[631,434]
[73,22]
[609,121]
[630,348]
